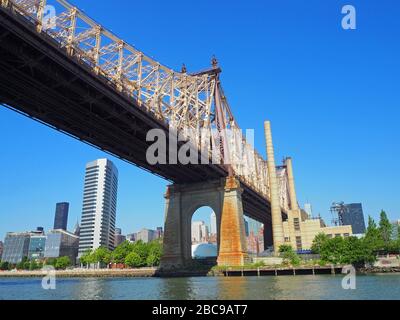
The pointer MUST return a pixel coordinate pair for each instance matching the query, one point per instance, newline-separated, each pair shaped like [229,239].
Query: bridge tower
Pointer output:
[224,196]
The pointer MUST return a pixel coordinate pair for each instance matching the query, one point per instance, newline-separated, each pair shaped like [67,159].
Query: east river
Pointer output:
[325,287]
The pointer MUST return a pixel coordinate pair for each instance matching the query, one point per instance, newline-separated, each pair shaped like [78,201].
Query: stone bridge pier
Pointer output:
[224,196]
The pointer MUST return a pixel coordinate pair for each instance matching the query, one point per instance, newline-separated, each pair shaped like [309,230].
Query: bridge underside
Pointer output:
[40,80]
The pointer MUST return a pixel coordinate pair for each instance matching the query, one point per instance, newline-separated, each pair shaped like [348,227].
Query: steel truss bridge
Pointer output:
[69,72]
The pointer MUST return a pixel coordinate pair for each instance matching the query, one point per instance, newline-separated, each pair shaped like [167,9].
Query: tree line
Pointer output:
[134,255]
[60,263]
[378,239]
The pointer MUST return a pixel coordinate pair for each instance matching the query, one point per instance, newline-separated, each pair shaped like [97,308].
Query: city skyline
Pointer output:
[334,165]
[202,214]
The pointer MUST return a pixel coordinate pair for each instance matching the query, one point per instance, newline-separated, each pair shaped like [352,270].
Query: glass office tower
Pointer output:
[61,216]
[354,216]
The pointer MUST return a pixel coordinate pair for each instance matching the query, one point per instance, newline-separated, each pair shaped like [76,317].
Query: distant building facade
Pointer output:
[131,237]
[255,241]
[213,223]
[61,216]
[254,236]
[300,231]
[99,206]
[160,232]
[299,228]
[16,247]
[354,217]
[77,229]
[37,245]
[395,230]
[254,226]
[61,243]
[119,238]
[246,228]
[200,232]
[146,235]
[1,249]
[213,228]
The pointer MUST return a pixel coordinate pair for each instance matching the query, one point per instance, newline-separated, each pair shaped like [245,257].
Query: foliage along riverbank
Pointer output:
[378,240]
[126,255]
[131,255]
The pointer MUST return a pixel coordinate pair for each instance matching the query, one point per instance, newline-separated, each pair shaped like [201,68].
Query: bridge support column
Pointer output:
[233,246]
[173,257]
[225,198]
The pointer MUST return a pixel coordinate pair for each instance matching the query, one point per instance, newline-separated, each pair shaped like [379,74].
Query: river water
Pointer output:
[325,287]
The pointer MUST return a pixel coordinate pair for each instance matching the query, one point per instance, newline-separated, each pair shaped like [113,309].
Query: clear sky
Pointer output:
[332,96]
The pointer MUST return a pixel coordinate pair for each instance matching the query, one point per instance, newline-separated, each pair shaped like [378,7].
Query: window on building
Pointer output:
[298,243]
[346,235]
[296,224]
[337,235]
[287,239]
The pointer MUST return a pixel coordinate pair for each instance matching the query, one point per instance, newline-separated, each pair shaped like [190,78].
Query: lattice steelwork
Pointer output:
[182,101]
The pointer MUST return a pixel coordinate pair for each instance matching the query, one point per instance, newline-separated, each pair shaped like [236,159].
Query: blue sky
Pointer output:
[332,96]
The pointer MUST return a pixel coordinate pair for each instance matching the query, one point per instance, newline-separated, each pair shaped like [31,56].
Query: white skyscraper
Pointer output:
[99,206]
[213,227]
[199,232]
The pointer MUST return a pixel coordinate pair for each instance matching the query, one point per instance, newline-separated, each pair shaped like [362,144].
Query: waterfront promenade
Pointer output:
[218,272]
[83,273]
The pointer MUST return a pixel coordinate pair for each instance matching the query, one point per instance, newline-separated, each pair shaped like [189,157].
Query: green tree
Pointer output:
[133,260]
[51,261]
[152,260]
[34,265]
[398,232]
[394,246]
[101,255]
[155,253]
[4,266]
[318,242]
[332,251]
[288,255]
[86,257]
[121,252]
[27,265]
[385,229]
[23,265]
[373,239]
[62,263]
[350,250]
[142,249]
[355,252]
